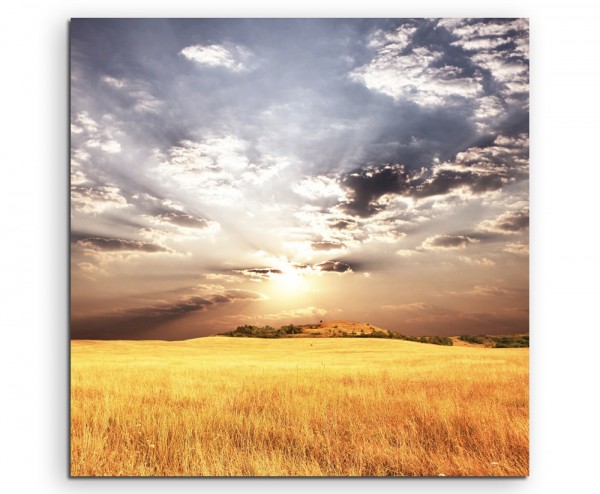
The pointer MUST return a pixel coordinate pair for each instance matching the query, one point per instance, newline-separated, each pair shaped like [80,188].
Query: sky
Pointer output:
[246,171]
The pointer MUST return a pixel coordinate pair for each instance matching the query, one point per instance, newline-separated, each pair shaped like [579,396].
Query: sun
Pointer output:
[290,280]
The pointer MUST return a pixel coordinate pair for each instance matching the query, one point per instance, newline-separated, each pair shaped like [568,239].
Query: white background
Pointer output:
[565,135]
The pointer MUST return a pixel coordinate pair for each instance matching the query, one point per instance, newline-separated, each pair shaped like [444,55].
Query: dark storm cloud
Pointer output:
[367,185]
[140,322]
[115,244]
[334,267]
[489,165]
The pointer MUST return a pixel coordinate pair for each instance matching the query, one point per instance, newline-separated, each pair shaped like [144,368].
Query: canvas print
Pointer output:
[299,247]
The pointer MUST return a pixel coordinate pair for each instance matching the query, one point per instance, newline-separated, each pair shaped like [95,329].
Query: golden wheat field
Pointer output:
[221,406]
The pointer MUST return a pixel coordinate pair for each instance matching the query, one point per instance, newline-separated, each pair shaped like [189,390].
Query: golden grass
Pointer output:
[302,407]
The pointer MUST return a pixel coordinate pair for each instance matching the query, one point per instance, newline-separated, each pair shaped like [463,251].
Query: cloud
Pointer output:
[96,199]
[477,170]
[118,244]
[166,220]
[320,187]
[82,122]
[489,290]
[114,82]
[139,322]
[498,46]
[108,146]
[334,267]
[517,248]
[216,55]
[259,274]
[302,313]
[84,129]
[365,186]
[345,224]
[296,137]
[484,290]
[403,70]
[230,296]
[224,278]
[327,245]
[510,222]
[211,165]
[137,91]
[183,219]
[417,308]
[407,252]
[483,261]
[448,242]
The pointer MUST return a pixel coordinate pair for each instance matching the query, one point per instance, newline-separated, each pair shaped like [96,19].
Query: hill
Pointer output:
[331,329]
[353,329]
[497,341]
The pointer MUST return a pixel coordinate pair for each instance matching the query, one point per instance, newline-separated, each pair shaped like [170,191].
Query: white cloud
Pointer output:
[210,168]
[407,252]
[146,102]
[218,56]
[480,43]
[95,200]
[85,129]
[108,146]
[483,261]
[517,248]
[514,74]
[394,41]
[139,91]
[508,67]
[224,278]
[114,82]
[483,29]
[413,76]
[269,168]
[319,187]
[78,177]
[84,122]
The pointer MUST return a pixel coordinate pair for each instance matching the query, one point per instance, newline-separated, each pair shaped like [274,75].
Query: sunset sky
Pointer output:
[228,172]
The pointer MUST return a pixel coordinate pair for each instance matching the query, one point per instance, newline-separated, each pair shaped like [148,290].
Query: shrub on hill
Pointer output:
[250,331]
[511,341]
[471,339]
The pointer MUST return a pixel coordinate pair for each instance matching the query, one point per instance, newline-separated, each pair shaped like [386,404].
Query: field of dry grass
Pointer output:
[302,407]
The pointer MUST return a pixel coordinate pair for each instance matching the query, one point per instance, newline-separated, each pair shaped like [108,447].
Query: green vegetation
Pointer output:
[370,331]
[249,331]
[472,339]
[511,341]
[517,341]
